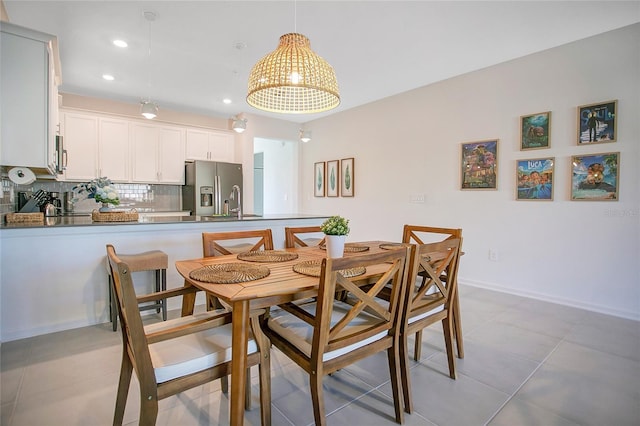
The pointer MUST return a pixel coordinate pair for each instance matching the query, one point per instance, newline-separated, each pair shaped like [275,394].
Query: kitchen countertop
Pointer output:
[85,220]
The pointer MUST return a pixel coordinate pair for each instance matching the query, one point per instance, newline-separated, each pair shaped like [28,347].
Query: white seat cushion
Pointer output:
[191,353]
[426,314]
[300,334]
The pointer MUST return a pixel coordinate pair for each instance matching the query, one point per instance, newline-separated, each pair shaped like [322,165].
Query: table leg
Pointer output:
[188,301]
[240,324]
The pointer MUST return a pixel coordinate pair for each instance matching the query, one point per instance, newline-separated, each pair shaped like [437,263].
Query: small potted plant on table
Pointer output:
[336,229]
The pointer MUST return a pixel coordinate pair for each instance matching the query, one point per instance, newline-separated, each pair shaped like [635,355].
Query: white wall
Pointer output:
[585,254]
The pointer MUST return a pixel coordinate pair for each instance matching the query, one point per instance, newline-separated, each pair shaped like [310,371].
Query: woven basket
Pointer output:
[37,217]
[119,216]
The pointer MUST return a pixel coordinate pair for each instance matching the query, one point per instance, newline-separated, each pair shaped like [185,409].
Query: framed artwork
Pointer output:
[594,177]
[535,130]
[479,165]
[597,123]
[318,179]
[347,177]
[534,179]
[333,178]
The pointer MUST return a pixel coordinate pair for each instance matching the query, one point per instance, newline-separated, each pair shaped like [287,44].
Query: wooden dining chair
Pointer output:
[235,242]
[175,355]
[416,234]
[293,239]
[327,335]
[429,302]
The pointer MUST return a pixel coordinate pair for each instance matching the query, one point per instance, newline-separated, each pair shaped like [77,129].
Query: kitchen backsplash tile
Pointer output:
[144,198]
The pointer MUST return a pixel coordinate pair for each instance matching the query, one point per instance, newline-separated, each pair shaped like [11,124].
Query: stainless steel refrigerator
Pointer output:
[208,185]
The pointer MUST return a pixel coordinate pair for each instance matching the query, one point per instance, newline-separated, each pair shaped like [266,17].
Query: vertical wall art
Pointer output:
[535,130]
[595,177]
[347,177]
[479,166]
[318,179]
[333,178]
[597,123]
[534,179]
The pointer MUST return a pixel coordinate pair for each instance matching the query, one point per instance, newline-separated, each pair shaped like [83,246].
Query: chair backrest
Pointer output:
[337,328]
[416,234]
[245,241]
[435,262]
[293,240]
[133,336]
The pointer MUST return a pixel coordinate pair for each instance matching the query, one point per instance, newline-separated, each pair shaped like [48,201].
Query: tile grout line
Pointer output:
[524,382]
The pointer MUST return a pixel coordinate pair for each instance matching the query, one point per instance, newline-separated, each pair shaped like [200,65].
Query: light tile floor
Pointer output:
[526,362]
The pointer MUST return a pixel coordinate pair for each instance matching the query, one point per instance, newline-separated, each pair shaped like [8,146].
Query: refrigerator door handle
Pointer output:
[218,209]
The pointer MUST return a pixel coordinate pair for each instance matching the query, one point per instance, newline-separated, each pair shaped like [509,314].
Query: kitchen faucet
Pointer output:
[239,208]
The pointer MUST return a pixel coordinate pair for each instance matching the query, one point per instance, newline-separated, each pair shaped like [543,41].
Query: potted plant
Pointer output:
[101,190]
[336,229]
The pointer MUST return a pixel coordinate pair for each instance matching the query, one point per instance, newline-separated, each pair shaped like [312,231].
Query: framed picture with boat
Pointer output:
[535,130]
[318,179]
[479,165]
[333,178]
[347,177]
[595,177]
[597,123]
[534,179]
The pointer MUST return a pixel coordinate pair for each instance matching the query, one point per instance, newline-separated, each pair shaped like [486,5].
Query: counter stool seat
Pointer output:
[154,260]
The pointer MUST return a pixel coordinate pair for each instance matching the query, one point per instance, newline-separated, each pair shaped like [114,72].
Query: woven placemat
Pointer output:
[229,273]
[267,256]
[393,246]
[118,216]
[349,247]
[312,268]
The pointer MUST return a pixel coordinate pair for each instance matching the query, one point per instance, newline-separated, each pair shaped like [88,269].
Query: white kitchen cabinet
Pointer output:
[209,145]
[113,149]
[28,87]
[96,146]
[80,132]
[157,154]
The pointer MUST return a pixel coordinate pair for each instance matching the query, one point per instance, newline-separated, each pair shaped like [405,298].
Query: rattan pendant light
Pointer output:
[293,79]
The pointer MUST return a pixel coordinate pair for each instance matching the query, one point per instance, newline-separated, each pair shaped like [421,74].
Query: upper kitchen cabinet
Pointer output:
[157,154]
[210,145]
[96,146]
[29,79]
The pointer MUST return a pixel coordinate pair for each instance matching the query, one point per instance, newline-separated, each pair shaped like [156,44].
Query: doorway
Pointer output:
[276,182]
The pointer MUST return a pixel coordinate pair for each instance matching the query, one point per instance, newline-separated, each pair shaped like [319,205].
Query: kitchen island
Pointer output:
[53,276]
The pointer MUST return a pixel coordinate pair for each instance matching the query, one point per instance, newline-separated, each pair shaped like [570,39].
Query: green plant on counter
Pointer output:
[101,190]
[335,225]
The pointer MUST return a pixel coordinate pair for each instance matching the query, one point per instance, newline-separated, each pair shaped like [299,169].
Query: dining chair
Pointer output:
[235,242]
[429,302]
[178,354]
[417,234]
[327,335]
[292,236]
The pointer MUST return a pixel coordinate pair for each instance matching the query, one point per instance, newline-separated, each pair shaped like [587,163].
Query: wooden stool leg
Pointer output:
[163,274]
[158,302]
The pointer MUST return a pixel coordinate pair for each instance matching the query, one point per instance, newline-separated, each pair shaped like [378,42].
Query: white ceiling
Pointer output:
[377,48]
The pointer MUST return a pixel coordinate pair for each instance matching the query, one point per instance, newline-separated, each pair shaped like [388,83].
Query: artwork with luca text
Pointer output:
[534,179]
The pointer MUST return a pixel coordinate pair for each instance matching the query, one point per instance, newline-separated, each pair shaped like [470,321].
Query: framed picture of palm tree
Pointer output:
[318,179]
[333,178]
[347,177]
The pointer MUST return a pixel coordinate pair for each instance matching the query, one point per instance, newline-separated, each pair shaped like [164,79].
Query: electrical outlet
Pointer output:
[417,198]
[494,256]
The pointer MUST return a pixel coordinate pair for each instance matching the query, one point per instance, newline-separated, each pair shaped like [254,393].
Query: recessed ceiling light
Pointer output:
[108,77]
[226,101]
[120,43]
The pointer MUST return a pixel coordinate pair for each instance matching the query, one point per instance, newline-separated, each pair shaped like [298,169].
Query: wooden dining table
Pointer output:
[282,285]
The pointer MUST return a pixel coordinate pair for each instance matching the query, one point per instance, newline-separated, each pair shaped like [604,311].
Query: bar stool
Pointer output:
[155,260]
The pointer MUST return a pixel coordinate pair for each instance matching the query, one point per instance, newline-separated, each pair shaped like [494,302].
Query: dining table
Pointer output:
[282,284]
